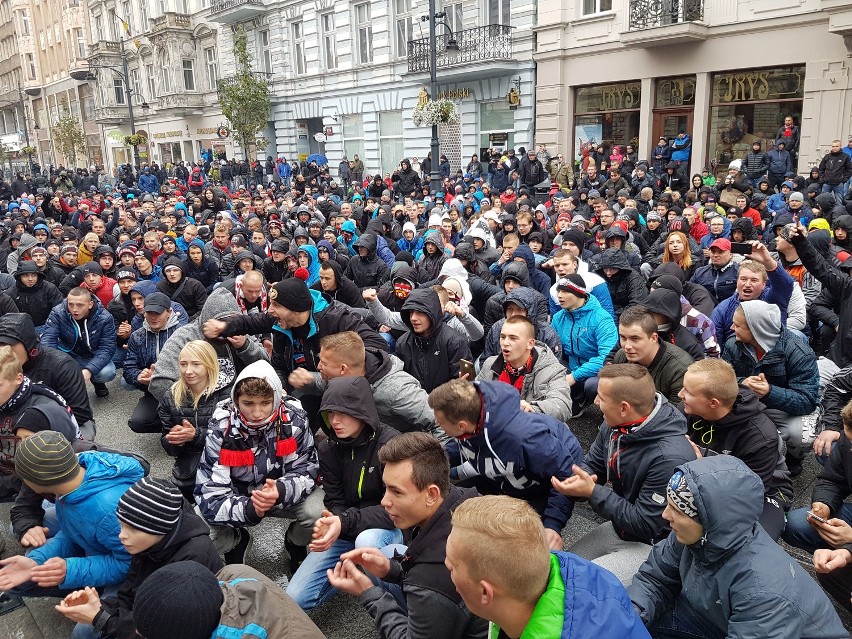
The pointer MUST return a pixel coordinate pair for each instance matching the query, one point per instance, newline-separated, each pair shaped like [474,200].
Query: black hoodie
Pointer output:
[667,303]
[188,292]
[368,271]
[350,468]
[188,541]
[346,292]
[49,366]
[36,300]
[626,287]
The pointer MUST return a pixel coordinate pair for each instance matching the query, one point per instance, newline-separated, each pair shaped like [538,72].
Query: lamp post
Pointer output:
[26,128]
[452,45]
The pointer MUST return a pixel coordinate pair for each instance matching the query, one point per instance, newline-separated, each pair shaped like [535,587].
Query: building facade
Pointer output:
[345,77]
[172,56]
[725,71]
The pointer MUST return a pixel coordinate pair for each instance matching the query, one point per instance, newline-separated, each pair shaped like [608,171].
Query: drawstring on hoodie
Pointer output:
[615,456]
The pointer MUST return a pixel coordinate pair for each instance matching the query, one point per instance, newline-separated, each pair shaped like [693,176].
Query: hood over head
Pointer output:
[825,202]
[220,303]
[433,237]
[367,241]
[526,298]
[665,302]
[407,274]
[525,252]
[764,322]
[614,258]
[842,221]
[19,328]
[424,300]
[515,271]
[668,268]
[328,247]
[352,396]
[465,251]
[260,369]
[821,241]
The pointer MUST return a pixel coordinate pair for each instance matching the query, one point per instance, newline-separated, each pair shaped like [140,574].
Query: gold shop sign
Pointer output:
[168,134]
[608,97]
[207,131]
[454,94]
[755,86]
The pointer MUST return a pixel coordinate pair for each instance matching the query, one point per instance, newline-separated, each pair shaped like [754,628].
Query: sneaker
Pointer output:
[578,409]
[794,465]
[101,389]
[237,554]
[297,553]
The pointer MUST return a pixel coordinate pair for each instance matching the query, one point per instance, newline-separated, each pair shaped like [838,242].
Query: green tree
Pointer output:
[244,98]
[69,138]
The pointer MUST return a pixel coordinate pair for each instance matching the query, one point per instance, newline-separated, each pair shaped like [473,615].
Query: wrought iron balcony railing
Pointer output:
[481,44]
[218,6]
[232,79]
[647,14]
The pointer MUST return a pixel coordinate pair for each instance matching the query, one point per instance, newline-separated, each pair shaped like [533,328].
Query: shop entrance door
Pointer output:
[671,121]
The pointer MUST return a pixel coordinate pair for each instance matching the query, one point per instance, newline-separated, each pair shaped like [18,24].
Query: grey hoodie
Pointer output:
[764,322]
[27,242]
[221,303]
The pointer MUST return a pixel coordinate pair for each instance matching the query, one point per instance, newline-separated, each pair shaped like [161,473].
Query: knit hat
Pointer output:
[572,283]
[151,505]
[575,237]
[795,196]
[125,274]
[653,217]
[293,294]
[403,258]
[764,322]
[91,268]
[680,494]
[668,281]
[46,459]
[148,255]
[69,248]
[160,609]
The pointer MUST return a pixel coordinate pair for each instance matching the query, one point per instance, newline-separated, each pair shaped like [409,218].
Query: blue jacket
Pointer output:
[520,452]
[736,577]
[588,334]
[790,368]
[313,262]
[88,528]
[350,227]
[96,340]
[538,279]
[779,288]
[155,276]
[144,346]
[780,162]
[720,282]
[681,149]
[415,246]
[148,183]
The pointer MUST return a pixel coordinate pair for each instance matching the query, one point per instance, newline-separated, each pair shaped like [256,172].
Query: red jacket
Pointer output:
[104,291]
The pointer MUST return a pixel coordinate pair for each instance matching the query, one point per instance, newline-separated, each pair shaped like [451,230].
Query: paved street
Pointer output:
[341,618]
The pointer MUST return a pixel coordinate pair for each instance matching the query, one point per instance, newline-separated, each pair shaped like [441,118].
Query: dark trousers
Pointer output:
[144,418]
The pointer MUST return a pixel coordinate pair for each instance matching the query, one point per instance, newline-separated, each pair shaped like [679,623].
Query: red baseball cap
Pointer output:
[721,243]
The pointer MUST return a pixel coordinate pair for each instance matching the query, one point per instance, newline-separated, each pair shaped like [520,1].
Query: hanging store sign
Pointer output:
[454,94]
[223,132]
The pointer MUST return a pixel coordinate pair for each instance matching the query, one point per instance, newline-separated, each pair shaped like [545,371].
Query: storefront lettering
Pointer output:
[207,131]
[744,87]
[454,94]
[168,134]
[620,96]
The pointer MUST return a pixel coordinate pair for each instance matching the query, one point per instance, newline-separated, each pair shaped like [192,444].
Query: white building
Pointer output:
[346,76]
[727,71]
[173,63]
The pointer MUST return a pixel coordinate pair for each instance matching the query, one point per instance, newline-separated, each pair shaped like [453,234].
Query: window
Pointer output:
[264,55]
[455,13]
[88,108]
[404,28]
[167,80]
[212,67]
[364,34]
[329,42]
[162,4]
[596,6]
[31,68]
[152,81]
[180,6]
[297,37]
[143,14]
[80,37]
[134,82]
[498,11]
[25,22]
[391,143]
[98,29]
[353,135]
[127,14]
[118,90]
[188,75]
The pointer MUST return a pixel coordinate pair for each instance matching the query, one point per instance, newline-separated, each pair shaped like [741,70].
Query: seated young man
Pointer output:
[259,461]
[416,597]
[640,443]
[779,367]
[86,550]
[727,419]
[718,574]
[158,527]
[531,367]
[351,472]
[500,564]
[498,448]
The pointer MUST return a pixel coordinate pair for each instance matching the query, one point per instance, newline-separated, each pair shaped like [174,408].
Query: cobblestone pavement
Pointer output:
[341,617]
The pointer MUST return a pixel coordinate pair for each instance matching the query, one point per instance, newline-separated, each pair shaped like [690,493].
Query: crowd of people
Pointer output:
[395,372]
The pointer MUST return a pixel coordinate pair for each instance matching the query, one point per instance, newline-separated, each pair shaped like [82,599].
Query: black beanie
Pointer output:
[151,505]
[405,256]
[182,600]
[292,293]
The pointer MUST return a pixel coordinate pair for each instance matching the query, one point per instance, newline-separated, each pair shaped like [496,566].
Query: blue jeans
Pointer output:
[84,630]
[839,191]
[681,621]
[106,374]
[309,586]
[801,534]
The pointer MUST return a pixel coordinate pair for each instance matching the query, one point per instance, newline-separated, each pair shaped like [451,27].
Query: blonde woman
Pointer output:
[187,409]
[86,250]
[677,251]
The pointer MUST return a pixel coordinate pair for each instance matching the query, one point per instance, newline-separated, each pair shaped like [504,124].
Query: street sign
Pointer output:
[319,137]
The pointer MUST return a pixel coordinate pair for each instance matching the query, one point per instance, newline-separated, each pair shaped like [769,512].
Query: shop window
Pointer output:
[749,106]
[606,115]
[496,127]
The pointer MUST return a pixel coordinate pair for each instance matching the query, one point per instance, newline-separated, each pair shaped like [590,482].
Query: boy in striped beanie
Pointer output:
[158,527]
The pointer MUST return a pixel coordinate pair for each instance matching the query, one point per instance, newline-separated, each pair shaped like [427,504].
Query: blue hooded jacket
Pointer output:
[588,334]
[520,452]
[63,332]
[349,227]
[735,577]
[313,264]
[538,279]
[88,528]
[148,182]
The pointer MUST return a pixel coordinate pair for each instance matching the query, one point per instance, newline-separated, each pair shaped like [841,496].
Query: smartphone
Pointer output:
[741,248]
[466,368]
[813,515]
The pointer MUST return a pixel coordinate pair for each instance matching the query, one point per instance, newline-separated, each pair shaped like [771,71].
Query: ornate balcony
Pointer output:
[232,79]
[492,43]
[233,11]
[172,22]
[111,114]
[652,23]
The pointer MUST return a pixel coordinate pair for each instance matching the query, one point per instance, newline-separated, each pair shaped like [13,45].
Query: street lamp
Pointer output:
[124,72]
[435,18]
